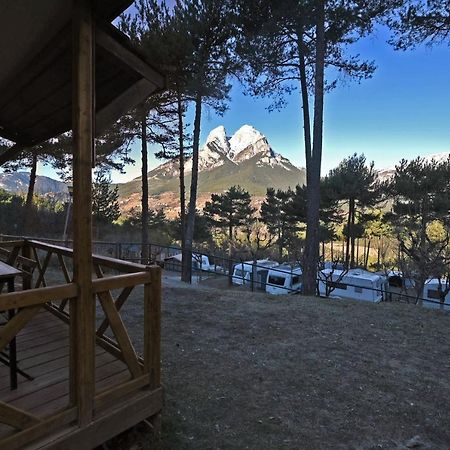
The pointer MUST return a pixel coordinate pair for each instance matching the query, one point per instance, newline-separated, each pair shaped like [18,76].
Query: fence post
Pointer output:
[254,273]
[152,327]
[26,253]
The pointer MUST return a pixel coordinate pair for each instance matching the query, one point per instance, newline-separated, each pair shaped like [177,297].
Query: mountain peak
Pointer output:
[243,138]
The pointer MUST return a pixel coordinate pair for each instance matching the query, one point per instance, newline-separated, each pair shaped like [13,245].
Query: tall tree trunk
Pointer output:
[313,183]
[305,102]
[230,254]
[186,275]
[352,235]
[181,159]
[366,262]
[28,219]
[348,235]
[280,245]
[144,199]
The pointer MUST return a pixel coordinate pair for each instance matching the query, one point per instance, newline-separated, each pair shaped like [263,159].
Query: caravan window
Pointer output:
[358,290]
[276,280]
[433,293]
[239,273]
[296,279]
[337,285]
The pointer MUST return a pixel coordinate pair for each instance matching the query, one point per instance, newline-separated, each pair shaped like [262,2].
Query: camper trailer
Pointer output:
[243,272]
[284,279]
[431,293]
[356,284]
[199,262]
[396,279]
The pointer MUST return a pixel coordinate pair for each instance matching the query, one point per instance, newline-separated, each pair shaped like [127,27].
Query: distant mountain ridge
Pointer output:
[246,158]
[17,183]
[388,173]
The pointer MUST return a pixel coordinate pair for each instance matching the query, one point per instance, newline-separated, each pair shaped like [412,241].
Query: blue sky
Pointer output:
[402,112]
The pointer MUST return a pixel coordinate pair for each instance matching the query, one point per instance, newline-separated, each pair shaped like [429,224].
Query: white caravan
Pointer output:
[431,293]
[243,272]
[199,262]
[284,279]
[356,284]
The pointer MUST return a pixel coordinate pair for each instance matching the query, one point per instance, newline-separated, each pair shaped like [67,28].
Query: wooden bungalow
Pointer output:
[81,381]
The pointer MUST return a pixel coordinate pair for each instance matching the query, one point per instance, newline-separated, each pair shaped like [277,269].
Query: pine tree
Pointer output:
[421,191]
[291,43]
[355,183]
[419,22]
[280,216]
[194,42]
[230,210]
[105,204]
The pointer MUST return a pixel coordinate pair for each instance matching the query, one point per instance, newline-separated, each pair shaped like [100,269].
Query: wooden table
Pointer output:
[8,274]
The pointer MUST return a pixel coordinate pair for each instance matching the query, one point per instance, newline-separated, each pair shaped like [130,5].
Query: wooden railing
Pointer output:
[59,298]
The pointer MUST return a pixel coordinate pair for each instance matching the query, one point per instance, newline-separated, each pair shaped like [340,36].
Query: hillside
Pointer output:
[17,183]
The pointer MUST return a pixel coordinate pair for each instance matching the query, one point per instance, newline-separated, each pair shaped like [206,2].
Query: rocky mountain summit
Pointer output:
[246,158]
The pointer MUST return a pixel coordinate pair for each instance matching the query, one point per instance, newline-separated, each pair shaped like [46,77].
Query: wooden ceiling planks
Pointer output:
[35,103]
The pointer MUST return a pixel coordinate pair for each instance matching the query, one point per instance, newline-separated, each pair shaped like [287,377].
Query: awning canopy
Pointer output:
[36,70]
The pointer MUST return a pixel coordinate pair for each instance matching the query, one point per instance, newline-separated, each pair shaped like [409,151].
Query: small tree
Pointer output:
[105,200]
[355,183]
[230,210]
[279,214]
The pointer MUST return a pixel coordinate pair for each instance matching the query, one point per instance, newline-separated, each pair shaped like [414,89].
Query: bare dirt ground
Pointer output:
[245,370]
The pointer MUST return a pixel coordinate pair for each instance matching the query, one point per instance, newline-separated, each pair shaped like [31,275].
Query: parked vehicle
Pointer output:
[397,280]
[356,284]
[432,289]
[284,279]
[199,262]
[243,272]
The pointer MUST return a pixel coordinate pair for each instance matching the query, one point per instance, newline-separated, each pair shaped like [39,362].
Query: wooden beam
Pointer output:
[16,418]
[83,147]
[124,415]
[121,299]
[118,328]
[120,281]
[19,440]
[130,59]
[12,328]
[152,327]
[11,153]
[122,104]
[111,395]
[105,261]
[34,297]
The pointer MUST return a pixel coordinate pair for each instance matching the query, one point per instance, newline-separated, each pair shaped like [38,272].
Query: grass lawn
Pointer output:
[245,370]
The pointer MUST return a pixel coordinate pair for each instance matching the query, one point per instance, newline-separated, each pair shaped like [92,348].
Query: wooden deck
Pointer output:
[43,353]
[126,388]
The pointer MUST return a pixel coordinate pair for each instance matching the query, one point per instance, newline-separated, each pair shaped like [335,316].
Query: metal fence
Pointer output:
[251,275]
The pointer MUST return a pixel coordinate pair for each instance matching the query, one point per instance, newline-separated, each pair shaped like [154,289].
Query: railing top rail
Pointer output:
[37,296]
[112,263]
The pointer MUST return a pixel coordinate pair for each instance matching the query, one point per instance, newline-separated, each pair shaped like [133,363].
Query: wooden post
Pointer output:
[152,327]
[26,252]
[83,309]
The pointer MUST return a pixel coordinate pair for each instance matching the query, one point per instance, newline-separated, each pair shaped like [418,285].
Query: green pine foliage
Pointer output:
[105,200]
[230,210]
[280,215]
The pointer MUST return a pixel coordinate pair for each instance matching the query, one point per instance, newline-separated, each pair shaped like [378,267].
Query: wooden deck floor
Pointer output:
[43,353]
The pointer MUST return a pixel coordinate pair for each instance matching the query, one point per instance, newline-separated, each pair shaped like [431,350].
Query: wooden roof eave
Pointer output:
[148,81]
